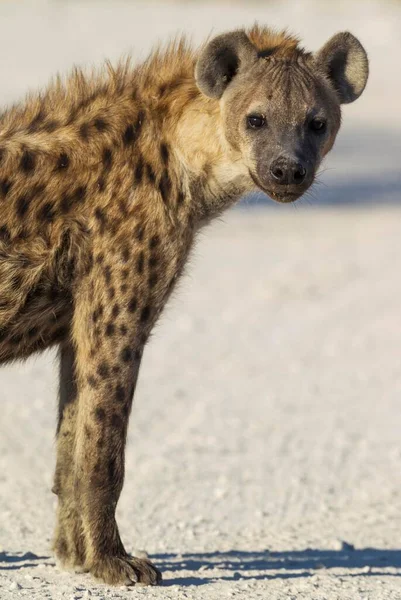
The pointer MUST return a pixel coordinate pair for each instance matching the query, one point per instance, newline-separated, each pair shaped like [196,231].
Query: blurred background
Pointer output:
[40,38]
[267,413]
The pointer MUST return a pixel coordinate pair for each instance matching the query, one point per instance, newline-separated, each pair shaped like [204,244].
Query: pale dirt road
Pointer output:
[266,427]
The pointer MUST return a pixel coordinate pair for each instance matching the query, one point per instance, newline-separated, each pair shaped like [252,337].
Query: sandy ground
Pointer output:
[264,453]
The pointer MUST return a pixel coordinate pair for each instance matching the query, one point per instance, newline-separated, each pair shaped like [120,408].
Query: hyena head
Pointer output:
[280,106]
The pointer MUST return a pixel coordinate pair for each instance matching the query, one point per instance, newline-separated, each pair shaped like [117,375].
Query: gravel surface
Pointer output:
[264,452]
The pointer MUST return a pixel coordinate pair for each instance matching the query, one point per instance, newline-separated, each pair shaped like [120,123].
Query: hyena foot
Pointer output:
[126,570]
[69,542]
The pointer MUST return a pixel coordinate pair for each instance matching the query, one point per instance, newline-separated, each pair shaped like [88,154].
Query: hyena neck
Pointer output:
[215,172]
[212,174]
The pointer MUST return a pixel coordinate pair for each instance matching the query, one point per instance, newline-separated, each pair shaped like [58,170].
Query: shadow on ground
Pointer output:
[12,561]
[238,565]
[276,565]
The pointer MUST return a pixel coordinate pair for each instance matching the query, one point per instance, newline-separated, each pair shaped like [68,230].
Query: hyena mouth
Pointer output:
[285,196]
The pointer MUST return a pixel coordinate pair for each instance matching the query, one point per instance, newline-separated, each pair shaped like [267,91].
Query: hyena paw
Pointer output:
[127,570]
[69,556]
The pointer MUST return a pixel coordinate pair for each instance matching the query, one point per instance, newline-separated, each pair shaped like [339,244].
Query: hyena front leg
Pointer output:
[69,540]
[108,337]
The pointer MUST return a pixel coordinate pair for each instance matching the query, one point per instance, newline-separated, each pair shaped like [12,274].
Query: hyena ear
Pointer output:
[220,61]
[345,62]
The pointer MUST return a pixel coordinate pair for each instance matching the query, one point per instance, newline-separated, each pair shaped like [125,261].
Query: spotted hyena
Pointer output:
[104,182]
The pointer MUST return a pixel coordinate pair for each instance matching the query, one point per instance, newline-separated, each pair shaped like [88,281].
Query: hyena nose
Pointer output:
[287,172]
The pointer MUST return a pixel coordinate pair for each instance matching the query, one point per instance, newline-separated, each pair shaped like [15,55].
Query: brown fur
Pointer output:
[104,180]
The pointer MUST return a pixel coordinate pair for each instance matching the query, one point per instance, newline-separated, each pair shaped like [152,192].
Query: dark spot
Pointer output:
[100,124]
[116,421]
[100,414]
[51,126]
[138,354]
[164,153]
[97,313]
[129,135]
[138,173]
[139,232]
[124,274]
[123,330]
[84,131]
[47,213]
[154,241]
[133,304]
[69,200]
[111,292]
[126,354]
[165,187]
[122,207]
[126,254]
[107,159]
[16,339]
[180,198]
[116,311]
[33,332]
[87,431]
[101,217]
[63,161]
[27,162]
[140,263]
[145,313]
[110,329]
[5,186]
[120,394]
[153,280]
[89,264]
[22,205]
[116,369]
[92,381]
[124,288]
[153,261]
[150,173]
[4,233]
[36,121]
[99,258]
[107,274]
[103,370]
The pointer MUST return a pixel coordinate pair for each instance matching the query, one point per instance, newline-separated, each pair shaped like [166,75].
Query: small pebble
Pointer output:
[15,586]
[342,546]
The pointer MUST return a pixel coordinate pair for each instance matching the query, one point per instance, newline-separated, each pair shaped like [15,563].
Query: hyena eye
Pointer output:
[318,125]
[256,121]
